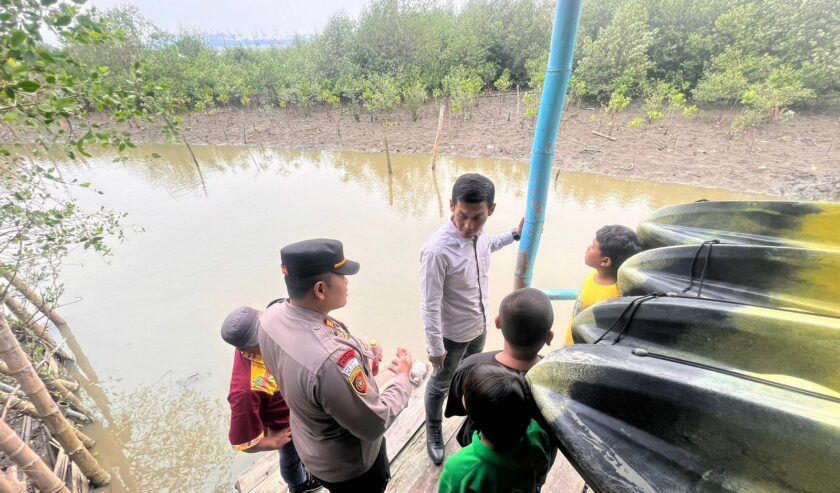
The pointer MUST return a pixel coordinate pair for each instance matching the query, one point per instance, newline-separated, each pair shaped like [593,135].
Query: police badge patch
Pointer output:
[358,381]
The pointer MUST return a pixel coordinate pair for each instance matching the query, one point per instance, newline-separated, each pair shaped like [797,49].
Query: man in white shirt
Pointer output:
[454,281]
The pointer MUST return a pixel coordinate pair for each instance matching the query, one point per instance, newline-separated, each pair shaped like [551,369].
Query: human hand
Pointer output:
[437,361]
[402,363]
[277,439]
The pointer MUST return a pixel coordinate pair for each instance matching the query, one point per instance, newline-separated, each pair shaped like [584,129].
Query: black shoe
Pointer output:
[434,442]
[309,486]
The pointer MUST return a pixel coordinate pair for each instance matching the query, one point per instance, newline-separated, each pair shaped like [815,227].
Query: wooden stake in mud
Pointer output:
[61,429]
[29,462]
[388,156]
[437,135]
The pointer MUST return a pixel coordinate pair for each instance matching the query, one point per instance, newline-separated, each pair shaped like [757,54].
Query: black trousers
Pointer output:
[373,481]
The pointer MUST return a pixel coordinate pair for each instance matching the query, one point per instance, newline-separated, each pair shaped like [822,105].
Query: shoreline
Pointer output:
[797,159]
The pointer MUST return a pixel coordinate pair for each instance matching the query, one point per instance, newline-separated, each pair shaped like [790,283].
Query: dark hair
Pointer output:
[618,243]
[299,287]
[497,401]
[473,188]
[526,318]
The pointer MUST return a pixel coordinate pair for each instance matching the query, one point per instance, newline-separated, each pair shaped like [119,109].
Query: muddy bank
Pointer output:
[798,158]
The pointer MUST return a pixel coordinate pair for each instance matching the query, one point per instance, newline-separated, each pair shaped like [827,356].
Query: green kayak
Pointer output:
[631,421]
[778,277]
[797,224]
[781,344]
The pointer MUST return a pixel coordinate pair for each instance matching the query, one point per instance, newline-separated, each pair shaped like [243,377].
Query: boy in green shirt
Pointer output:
[512,453]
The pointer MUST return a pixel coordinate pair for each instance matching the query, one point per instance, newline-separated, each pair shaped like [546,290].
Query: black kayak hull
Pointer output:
[771,223]
[778,277]
[632,423]
[766,341]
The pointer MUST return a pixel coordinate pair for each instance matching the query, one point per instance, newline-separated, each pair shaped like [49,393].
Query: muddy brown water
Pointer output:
[148,318]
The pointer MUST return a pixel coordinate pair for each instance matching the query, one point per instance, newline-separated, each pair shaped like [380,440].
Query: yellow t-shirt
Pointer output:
[590,293]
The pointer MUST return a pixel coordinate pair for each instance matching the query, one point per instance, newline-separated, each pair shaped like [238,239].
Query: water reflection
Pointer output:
[200,256]
[408,189]
[165,439]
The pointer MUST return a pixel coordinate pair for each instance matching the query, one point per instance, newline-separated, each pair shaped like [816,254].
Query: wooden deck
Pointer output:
[411,469]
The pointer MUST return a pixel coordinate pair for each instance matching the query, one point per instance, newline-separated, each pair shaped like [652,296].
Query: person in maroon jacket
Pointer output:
[259,416]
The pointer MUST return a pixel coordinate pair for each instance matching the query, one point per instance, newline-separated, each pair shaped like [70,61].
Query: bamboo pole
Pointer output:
[37,330]
[56,423]
[28,461]
[57,386]
[26,407]
[437,135]
[96,394]
[22,286]
[388,155]
[71,398]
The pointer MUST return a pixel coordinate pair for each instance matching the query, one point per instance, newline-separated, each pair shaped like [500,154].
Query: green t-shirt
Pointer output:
[478,468]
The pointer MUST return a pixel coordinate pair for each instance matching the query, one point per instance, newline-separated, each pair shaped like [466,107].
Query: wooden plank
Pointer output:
[407,423]
[259,472]
[563,478]
[60,468]
[413,470]
[272,484]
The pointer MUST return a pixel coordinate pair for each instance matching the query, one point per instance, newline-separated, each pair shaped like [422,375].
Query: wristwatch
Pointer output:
[516,237]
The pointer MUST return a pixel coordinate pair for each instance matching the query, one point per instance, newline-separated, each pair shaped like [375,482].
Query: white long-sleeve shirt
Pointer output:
[454,285]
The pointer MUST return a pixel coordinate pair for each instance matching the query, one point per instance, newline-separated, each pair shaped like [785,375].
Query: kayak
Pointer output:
[755,339]
[630,420]
[797,224]
[778,277]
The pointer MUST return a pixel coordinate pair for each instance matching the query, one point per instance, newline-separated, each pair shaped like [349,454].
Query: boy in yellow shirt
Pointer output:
[611,247]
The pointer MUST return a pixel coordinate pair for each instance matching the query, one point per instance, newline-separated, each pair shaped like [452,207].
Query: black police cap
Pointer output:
[313,257]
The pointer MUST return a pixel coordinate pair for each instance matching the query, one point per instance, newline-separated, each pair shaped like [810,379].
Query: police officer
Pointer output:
[339,414]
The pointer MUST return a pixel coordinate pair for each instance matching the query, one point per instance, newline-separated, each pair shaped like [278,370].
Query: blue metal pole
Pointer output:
[557,75]
[561,294]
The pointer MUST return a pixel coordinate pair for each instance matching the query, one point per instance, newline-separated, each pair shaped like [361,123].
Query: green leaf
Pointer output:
[46,57]
[28,85]
[17,38]
[63,20]
[62,102]
[155,155]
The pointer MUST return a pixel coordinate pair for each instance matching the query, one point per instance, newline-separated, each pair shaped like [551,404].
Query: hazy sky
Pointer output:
[247,17]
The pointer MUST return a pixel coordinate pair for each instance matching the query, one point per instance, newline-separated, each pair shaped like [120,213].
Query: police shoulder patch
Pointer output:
[358,381]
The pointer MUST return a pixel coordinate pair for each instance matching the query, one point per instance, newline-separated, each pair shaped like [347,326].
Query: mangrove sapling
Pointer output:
[45,480]
[503,84]
[61,429]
